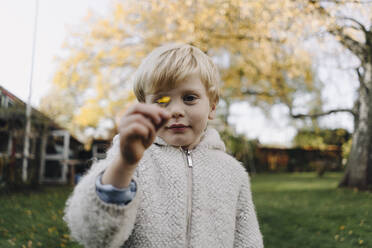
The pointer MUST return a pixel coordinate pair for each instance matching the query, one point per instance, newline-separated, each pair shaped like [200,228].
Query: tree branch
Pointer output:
[257,93]
[361,26]
[354,46]
[351,27]
[316,115]
[360,74]
[239,37]
[321,9]
[345,1]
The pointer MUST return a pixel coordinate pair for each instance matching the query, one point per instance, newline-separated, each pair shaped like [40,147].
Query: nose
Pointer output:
[176,110]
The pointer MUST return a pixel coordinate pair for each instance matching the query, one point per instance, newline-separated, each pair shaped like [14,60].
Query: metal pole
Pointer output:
[26,147]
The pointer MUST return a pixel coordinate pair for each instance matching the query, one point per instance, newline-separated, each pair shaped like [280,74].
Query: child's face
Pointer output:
[190,109]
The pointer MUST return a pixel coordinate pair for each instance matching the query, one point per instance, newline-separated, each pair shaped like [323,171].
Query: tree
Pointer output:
[359,166]
[71,108]
[321,138]
[355,35]
[255,45]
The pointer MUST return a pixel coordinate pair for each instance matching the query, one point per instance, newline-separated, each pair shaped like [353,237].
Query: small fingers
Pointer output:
[129,127]
[135,130]
[142,120]
[155,113]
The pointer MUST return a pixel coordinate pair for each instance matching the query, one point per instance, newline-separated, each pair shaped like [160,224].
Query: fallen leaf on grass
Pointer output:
[11,242]
[51,230]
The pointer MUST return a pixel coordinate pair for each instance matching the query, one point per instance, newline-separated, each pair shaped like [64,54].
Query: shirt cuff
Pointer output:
[111,194]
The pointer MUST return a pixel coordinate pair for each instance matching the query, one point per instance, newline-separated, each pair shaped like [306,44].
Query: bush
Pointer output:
[241,148]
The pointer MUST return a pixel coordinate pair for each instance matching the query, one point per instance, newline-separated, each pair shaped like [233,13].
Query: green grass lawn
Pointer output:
[294,210]
[34,219]
[303,210]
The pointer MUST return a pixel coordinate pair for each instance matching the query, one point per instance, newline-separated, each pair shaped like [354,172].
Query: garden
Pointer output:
[294,210]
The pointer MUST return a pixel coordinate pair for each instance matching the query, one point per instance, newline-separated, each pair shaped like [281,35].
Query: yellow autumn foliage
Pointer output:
[258,44]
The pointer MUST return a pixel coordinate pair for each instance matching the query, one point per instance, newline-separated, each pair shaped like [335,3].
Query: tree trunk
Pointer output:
[359,165]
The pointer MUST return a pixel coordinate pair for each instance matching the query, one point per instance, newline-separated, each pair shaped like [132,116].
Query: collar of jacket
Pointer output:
[210,140]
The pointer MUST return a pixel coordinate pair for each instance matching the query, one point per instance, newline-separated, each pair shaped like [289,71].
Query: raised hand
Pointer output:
[137,130]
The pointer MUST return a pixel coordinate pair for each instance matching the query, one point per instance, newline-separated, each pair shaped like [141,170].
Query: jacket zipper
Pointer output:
[189,196]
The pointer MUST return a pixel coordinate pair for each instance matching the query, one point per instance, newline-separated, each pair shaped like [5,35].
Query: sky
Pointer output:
[17,23]
[57,17]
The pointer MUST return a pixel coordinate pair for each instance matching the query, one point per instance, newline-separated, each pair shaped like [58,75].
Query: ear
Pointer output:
[212,111]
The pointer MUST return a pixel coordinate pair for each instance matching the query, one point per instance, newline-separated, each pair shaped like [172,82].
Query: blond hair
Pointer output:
[169,64]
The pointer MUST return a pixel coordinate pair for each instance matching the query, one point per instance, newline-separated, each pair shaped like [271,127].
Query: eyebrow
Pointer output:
[166,93]
[191,92]
[157,95]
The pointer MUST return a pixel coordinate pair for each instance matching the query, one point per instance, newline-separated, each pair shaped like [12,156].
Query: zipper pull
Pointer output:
[189,160]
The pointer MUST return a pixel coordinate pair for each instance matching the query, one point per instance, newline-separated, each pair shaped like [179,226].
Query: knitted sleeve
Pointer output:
[247,232]
[93,222]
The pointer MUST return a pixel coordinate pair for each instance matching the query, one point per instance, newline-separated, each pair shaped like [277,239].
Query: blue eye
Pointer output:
[189,98]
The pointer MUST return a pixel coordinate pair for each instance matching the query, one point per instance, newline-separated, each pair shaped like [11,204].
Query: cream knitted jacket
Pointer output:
[201,199]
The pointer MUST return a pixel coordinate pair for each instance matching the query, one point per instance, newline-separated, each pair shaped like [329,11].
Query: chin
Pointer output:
[182,143]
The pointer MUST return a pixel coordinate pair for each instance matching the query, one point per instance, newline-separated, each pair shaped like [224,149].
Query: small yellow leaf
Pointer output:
[51,229]
[164,99]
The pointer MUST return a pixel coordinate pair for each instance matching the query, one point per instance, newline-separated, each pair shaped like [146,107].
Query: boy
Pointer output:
[166,181]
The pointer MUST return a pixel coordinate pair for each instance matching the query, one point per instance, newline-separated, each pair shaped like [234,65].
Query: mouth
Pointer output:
[177,127]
